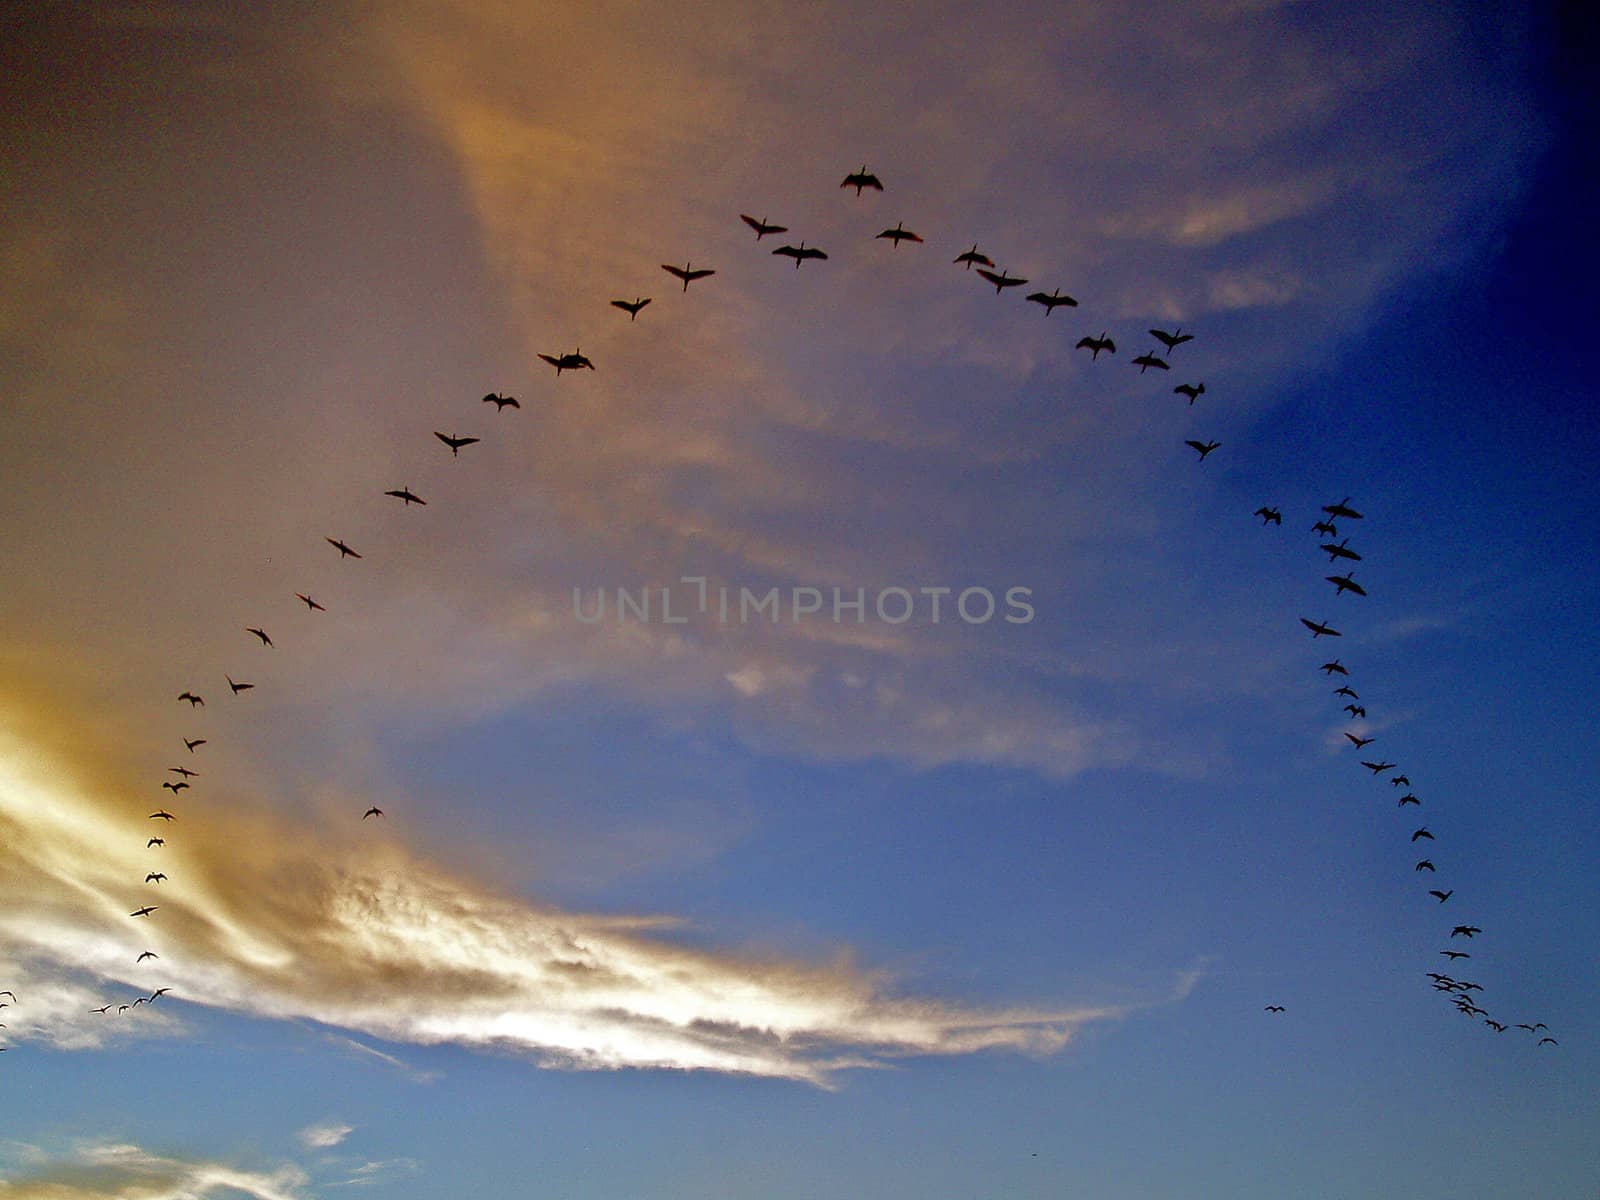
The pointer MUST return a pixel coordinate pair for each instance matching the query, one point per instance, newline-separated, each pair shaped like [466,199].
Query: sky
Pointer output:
[846,742]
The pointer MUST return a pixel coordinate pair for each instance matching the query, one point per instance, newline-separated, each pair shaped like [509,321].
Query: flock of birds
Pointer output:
[1462,993]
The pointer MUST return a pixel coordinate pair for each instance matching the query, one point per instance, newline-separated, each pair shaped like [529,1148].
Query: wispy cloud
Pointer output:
[120,1171]
[325,1134]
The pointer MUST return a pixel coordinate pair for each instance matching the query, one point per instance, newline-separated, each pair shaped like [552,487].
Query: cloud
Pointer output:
[366,937]
[328,1133]
[119,1171]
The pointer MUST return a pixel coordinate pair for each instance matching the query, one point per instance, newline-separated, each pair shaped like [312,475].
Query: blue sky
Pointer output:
[816,907]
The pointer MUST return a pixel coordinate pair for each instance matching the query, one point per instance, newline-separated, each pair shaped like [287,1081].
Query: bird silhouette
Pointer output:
[145,955]
[1345,584]
[1051,302]
[686,274]
[1326,527]
[405,496]
[1320,629]
[899,234]
[1401,781]
[1147,360]
[161,814]
[1095,345]
[194,701]
[1171,340]
[191,743]
[175,788]
[1274,1008]
[184,771]
[1356,710]
[1425,865]
[1269,516]
[761,227]
[1422,833]
[1192,390]
[1377,768]
[1201,448]
[311,605]
[1495,1025]
[145,911]
[1442,896]
[862,179]
[631,307]
[1341,509]
[1548,1041]
[154,877]
[501,403]
[972,256]
[1346,691]
[155,842]
[1341,551]
[105,1008]
[1359,741]
[238,687]
[265,640]
[1334,668]
[455,443]
[344,551]
[374,811]
[1001,280]
[576,361]
[1409,798]
[800,253]
[1466,931]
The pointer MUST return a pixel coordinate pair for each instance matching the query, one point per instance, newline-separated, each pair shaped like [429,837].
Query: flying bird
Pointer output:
[1548,1040]
[1320,630]
[1340,551]
[972,256]
[1201,448]
[161,814]
[1001,280]
[374,811]
[684,273]
[1326,527]
[145,911]
[1147,360]
[862,179]
[898,234]
[1422,833]
[238,687]
[761,227]
[1401,781]
[1274,1008]
[1345,691]
[1409,798]
[265,640]
[1334,668]
[1269,516]
[405,496]
[1095,345]
[122,1008]
[175,788]
[501,403]
[344,551]
[631,307]
[155,842]
[154,877]
[311,605]
[1359,741]
[1171,340]
[1345,584]
[158,993]
[1442,896]
[1341,510]
[103,1009]
[1425,865]
[1495,1025]
[576,361]
[1452,955]
[800,253]
[145,955]
[455,444]
[194,701]
[1377,768]
[1051,302]
[184,771]
[1465,930]
[191,743]
[1356,710]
